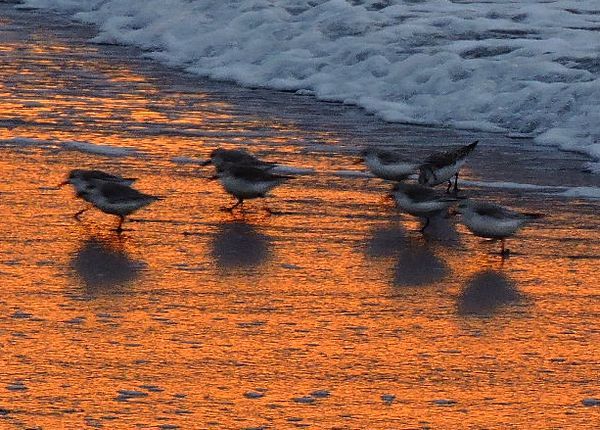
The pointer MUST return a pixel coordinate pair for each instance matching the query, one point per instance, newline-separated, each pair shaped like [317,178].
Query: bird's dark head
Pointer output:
[364,153]
[461,207]
[215,153]
[426,174]
[215,157]
[209,160]
[390,195]
[369,150]
[74,176]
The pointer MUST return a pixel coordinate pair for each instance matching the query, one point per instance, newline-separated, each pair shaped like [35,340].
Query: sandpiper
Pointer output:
[219,157]
[389,165]
[248,182]
[81,178]
[116,199]
[440,167]
[493,221]
[420,201]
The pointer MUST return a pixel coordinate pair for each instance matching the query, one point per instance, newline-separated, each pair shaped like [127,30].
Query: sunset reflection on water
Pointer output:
[197,319]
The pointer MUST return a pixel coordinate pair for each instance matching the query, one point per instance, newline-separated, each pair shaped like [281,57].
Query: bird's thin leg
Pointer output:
[239,202]
[119,228]
[426,224]
[505,252]
[449,186]
[270,211]
[76,216]
[387,197]
[456,183]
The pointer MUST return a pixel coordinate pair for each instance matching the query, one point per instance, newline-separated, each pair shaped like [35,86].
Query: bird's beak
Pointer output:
[206,163]
[358,161]
[63,183]
[213,178]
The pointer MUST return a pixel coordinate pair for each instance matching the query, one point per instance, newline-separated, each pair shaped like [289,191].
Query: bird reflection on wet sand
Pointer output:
[238,245]
[104,267]
[486,292]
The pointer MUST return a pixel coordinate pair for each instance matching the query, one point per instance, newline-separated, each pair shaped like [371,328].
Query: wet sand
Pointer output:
[337,314]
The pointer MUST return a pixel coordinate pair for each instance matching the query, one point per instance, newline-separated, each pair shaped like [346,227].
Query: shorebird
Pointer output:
[246,182]
[493,221]
[81,178]
[389,165]
[116,199]
[220,157]
[420,201]
[440,167]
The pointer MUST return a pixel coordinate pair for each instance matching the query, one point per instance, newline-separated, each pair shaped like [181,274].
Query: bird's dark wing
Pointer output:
[441,159]
[103,176]
[255,173]
[463,151]
[495,211]
[389,157]
[417,193]
[118,193]
[239,156]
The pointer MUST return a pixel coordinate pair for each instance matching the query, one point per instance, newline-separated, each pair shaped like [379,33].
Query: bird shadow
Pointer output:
[104,267]
[237,244]
[386,241]
[415,264]
[486,293]
[442,230]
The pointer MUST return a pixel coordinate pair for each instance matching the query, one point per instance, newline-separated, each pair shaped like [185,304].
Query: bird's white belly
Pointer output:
[246,189]
[120,208]
[492,227]
[392,172]
[420,208]
[442,175]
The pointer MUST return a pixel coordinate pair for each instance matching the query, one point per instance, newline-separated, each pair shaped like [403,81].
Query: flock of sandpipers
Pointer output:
[245,176]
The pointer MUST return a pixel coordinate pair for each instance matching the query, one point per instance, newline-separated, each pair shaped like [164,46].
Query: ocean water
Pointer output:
[525,68]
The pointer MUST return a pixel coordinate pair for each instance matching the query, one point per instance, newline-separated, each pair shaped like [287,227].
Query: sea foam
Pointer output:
[527,68]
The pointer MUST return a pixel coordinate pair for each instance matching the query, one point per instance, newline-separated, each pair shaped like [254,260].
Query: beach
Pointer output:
[336,313]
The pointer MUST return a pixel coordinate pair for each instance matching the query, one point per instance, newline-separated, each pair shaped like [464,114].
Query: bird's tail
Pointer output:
[452,198]
[283,177]
[470,147]
[534,215]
